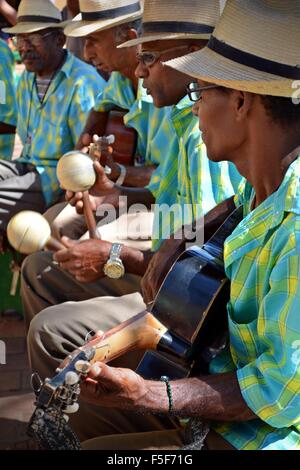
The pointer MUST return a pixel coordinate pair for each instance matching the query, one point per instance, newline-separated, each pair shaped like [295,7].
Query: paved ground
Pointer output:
[16,398]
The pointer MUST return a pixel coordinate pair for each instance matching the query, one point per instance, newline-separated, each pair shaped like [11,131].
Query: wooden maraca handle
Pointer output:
[54,245]
[89,216]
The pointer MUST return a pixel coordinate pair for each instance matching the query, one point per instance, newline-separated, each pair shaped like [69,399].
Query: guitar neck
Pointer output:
[143,331]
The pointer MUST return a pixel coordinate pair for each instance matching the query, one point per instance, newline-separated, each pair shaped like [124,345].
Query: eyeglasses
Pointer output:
[195,91]
[34,39]
[148,58]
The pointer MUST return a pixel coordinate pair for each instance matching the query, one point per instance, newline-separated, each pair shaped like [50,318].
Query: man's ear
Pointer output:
[61,40]
[131,34]
[200,44]
[243,103]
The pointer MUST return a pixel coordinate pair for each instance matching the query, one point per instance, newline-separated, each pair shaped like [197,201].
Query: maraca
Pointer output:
[29,231]
[75,172]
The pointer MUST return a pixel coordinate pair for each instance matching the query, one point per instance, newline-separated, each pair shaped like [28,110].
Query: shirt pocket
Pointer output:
[243,339]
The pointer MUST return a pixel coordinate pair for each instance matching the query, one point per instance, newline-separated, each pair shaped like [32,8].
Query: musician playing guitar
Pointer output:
[251,398]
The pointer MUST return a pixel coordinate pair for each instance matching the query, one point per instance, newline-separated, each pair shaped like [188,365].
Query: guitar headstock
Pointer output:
[62,390]
[55,399]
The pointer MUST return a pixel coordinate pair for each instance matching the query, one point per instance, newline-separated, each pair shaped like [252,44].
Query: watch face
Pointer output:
[114,270]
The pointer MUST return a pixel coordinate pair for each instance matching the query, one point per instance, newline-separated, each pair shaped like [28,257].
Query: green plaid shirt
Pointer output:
[262,260]
[142,116]
[8,107]
[187,185]
[50,129]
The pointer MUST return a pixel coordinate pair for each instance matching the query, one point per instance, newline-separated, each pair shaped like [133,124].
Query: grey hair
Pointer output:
[122,30]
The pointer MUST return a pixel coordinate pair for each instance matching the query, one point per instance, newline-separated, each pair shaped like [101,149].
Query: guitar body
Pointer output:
[191,303]
[125,138]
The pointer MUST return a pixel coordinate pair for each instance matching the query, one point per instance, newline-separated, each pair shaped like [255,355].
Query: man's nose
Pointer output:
[89,51]
[141,71]
[27,46]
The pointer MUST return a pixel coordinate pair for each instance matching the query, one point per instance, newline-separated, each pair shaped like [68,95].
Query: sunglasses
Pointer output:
[194,91]
[148,58]
[34,39]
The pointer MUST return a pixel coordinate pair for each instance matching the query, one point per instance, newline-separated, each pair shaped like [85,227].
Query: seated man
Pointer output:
[124,91]
[251,397]
[54,95]
[45,284]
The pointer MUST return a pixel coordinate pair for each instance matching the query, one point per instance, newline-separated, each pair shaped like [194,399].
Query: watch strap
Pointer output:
[122,176]
[115,251]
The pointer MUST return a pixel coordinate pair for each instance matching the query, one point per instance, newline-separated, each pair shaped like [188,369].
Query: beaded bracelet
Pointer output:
[165,379]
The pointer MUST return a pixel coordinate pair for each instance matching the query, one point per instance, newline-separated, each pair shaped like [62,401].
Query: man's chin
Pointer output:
[160,102]
[30,67]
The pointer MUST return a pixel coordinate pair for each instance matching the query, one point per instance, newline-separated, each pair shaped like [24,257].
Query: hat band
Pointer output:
[37,19]
[112,13]
[253,61]
[184,27]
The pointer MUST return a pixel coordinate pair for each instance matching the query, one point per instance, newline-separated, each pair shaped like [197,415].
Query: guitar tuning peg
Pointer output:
[89,336]
[36,383]
[82,366]
[110,139]
[71,378]
[70,409]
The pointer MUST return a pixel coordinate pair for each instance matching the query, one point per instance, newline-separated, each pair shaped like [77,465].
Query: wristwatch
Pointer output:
[114,267]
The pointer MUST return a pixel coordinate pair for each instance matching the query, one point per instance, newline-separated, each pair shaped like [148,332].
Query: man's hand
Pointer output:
[105,154]
[159,266]
[113,387]
[83,142]
[106,194]
[84,260]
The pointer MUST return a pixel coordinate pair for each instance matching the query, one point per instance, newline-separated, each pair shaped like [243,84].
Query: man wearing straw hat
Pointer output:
[116,309]
[54,95]
[249,72]
[103,28]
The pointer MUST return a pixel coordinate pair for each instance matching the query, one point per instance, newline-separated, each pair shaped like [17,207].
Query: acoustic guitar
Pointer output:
[186,328]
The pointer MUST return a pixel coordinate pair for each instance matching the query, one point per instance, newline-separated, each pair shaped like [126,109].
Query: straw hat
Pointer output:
[98,15]
[35,15]
[255,48]
[177,19]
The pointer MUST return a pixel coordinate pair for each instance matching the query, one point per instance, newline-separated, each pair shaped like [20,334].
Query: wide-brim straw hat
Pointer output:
[177,19]
[35,15]
[255,48]
[98,15]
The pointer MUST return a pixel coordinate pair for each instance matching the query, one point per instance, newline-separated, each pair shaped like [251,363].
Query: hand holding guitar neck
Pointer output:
[96,148]
[29,231]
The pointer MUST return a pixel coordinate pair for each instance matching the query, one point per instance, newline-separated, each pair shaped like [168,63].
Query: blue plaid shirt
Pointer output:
[262,261]
[51,128]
